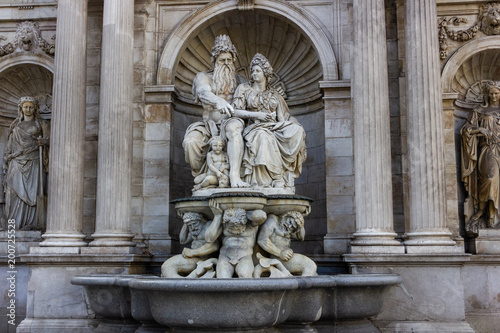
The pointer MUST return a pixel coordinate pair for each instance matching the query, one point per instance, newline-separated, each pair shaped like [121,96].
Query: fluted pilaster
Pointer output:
[65,198]
[115,126]
[372,145]
[427,198]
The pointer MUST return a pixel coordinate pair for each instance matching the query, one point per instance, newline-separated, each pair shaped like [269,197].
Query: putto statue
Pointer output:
[265,144]
[481,161]
[25,167]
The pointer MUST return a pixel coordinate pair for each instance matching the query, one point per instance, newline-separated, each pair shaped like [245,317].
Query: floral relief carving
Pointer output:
[488,22]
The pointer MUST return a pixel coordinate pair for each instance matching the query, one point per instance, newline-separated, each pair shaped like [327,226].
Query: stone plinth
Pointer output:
[55,305]
[488,241]
[481,288]
[430,298]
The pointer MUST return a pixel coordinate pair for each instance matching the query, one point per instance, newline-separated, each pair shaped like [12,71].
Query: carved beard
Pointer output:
[235,228]
[224,79]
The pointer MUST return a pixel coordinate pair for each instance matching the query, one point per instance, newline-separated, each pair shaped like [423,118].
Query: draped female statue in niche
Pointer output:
[481,161]
[25,167]
[274,140]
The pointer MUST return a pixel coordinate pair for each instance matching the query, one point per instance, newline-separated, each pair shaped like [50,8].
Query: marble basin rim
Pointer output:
[228,304]
[109,295]
[271,204]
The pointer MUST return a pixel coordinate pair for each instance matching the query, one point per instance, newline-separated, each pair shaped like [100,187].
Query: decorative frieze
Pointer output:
[488,22]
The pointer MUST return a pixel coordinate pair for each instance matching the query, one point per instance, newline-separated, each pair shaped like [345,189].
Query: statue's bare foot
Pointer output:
[237,182]
[477,215]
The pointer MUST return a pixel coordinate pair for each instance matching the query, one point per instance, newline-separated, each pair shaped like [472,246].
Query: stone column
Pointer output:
[427,231]
[114,169]
[65,201]
[372,141]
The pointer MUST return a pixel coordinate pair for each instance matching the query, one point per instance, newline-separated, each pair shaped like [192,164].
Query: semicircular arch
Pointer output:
[15,59]
[462,55]
[180,36]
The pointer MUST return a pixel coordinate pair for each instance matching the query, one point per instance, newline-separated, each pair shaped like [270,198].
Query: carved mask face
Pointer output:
[26,38]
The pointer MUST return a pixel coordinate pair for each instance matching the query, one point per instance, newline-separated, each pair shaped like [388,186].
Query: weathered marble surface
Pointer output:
[25,167]
[237,223]
[480,167]
[265,144]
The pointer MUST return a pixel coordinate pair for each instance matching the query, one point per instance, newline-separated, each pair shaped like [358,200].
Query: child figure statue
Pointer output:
[218,167]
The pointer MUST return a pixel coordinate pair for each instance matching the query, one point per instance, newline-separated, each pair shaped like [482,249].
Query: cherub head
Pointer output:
[217,144]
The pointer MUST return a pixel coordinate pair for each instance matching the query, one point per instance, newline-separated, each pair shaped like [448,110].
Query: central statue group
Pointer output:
[265,145]
[247,139]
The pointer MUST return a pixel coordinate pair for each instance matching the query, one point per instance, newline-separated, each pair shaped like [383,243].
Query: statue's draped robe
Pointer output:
[481,160]
[274,150]
[22,179]
[198,134]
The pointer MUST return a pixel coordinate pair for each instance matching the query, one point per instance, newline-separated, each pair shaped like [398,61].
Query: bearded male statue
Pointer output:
[214,89]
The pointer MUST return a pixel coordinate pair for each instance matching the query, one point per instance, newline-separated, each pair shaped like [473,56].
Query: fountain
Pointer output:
[240,273]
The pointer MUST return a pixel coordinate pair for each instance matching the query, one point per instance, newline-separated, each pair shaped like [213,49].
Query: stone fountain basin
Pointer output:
[229,304]
[111,298]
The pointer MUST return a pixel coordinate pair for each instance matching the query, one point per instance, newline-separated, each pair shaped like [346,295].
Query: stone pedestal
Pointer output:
[372,144]
[24,241]
[431,297]
[488,241]
[114,169]
[481,288]
[53,303]
[67,139]
[427,203]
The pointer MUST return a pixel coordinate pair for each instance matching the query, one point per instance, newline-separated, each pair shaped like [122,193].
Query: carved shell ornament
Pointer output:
[297,68]
[488,22]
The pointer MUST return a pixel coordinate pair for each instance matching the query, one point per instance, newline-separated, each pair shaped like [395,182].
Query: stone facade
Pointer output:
[115,80]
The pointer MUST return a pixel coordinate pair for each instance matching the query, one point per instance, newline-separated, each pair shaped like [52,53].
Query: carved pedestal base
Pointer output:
[488,241]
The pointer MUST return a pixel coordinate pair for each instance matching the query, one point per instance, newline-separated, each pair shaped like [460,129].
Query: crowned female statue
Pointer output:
[25,166]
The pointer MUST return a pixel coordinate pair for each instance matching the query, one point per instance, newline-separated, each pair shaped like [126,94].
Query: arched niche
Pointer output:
[462,78]
[25,74]
[462,67]
[301,55]
[192,25]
